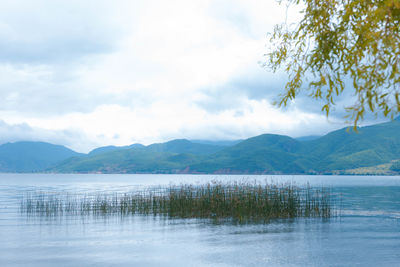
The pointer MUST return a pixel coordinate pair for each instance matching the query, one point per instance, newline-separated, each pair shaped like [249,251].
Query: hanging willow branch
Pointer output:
[338,41]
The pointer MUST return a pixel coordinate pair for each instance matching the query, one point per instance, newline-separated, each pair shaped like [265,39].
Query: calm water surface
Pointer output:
[366,234]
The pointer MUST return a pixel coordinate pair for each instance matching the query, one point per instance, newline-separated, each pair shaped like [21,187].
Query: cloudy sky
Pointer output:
[91,73]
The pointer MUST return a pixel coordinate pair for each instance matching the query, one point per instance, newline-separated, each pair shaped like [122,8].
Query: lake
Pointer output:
[366,234]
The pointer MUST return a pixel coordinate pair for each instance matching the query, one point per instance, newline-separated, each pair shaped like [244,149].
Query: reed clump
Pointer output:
[242,201]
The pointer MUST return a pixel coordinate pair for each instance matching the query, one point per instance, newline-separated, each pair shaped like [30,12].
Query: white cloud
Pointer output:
[113,124]
[55,31]
[142,71]
[72,138]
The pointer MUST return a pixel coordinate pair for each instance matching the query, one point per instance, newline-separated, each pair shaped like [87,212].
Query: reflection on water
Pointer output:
[367,233]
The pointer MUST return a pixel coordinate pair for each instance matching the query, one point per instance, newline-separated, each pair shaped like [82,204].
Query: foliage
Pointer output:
[338,41]
[238,201]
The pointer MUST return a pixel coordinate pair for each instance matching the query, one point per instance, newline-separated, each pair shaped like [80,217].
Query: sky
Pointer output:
[90,73]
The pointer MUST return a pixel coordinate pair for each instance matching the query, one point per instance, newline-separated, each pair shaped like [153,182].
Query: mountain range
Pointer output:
[337,152]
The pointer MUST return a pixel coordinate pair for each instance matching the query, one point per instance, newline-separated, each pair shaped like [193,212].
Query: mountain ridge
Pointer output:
[335,152]
[276,154]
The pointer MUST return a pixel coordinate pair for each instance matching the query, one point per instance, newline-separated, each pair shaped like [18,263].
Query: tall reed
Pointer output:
[242,201]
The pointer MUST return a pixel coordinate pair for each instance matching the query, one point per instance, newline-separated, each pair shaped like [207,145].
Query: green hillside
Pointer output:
[261,154]
[339,150]
[346,149]
[184,146]
[170,157]
[174,146]
[105,149]
[128,161]
[390,168]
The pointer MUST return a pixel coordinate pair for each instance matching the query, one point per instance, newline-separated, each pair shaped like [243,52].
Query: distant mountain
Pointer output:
[347,149]
[105,149]
[184,146]
[172,156]
[308,138]
[344,151]
[218,143]
[266,153]
[128,161]
[173,146]
[32,156]
[337,151]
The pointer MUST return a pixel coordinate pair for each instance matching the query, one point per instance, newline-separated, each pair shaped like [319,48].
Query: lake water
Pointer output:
[366,234]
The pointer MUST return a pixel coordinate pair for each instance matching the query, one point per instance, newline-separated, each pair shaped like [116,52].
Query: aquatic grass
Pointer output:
[239,201]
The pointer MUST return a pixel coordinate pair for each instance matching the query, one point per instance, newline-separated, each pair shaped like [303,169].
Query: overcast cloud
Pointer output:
[91,73]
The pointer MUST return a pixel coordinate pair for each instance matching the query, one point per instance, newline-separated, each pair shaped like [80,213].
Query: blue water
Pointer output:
[366,234]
